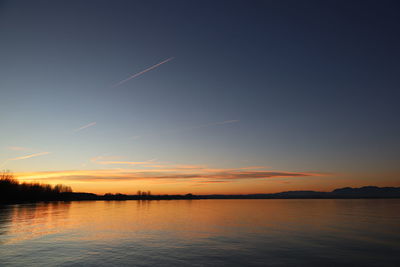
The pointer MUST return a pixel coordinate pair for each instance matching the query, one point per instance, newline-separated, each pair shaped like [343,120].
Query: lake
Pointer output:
[359,232]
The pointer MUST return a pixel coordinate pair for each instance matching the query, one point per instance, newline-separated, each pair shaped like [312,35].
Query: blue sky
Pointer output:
[291,86]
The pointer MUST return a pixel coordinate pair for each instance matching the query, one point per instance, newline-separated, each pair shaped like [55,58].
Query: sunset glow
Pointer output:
[236,133]
[177,104]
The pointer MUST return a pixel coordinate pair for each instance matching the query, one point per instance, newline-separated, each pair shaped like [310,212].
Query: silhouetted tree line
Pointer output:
[140,195]
[345,193]
[13,190]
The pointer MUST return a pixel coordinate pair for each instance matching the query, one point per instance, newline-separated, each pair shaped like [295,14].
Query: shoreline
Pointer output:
[366,192]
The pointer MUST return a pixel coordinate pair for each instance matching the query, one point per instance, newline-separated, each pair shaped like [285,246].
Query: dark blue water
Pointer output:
[202,233]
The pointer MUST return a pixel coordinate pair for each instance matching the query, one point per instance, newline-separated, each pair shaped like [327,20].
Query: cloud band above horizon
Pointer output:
[203,175]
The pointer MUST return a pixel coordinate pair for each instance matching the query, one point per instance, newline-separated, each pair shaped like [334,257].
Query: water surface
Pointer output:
[202,233]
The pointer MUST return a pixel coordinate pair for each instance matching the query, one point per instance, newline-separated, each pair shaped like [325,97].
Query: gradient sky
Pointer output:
[201,96]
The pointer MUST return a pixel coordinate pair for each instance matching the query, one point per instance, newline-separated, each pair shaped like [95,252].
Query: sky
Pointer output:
[200,96]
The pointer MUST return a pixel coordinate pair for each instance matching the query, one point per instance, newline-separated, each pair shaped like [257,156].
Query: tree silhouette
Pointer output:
[12,190]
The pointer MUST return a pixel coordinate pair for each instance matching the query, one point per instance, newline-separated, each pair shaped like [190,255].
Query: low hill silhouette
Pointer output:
[367,191]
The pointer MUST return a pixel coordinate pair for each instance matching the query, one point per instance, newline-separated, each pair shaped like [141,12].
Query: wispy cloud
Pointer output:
[85,126]
[151,163]
[31,156]
[142,72]
[212,124]
[254,167]
[199,175]
[24,157]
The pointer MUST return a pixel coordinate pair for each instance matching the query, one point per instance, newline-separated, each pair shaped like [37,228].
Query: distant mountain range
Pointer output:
[346,192]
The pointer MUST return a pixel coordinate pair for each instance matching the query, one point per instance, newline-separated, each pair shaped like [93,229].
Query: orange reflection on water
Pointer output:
[29,221]
[205,232]
[186,219]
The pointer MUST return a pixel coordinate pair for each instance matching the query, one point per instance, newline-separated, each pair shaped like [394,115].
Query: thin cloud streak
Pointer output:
[31,156]
[142,72]
[213,124]
[24,157]
[85,126]
[215,176]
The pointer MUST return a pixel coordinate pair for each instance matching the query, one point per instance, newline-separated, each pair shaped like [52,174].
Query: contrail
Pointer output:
[201,126]
[85,126]
[31,156]
[24,157]
[142,72]
[212,124]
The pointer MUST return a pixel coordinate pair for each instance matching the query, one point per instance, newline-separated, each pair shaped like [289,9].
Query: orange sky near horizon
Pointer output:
[201,180]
